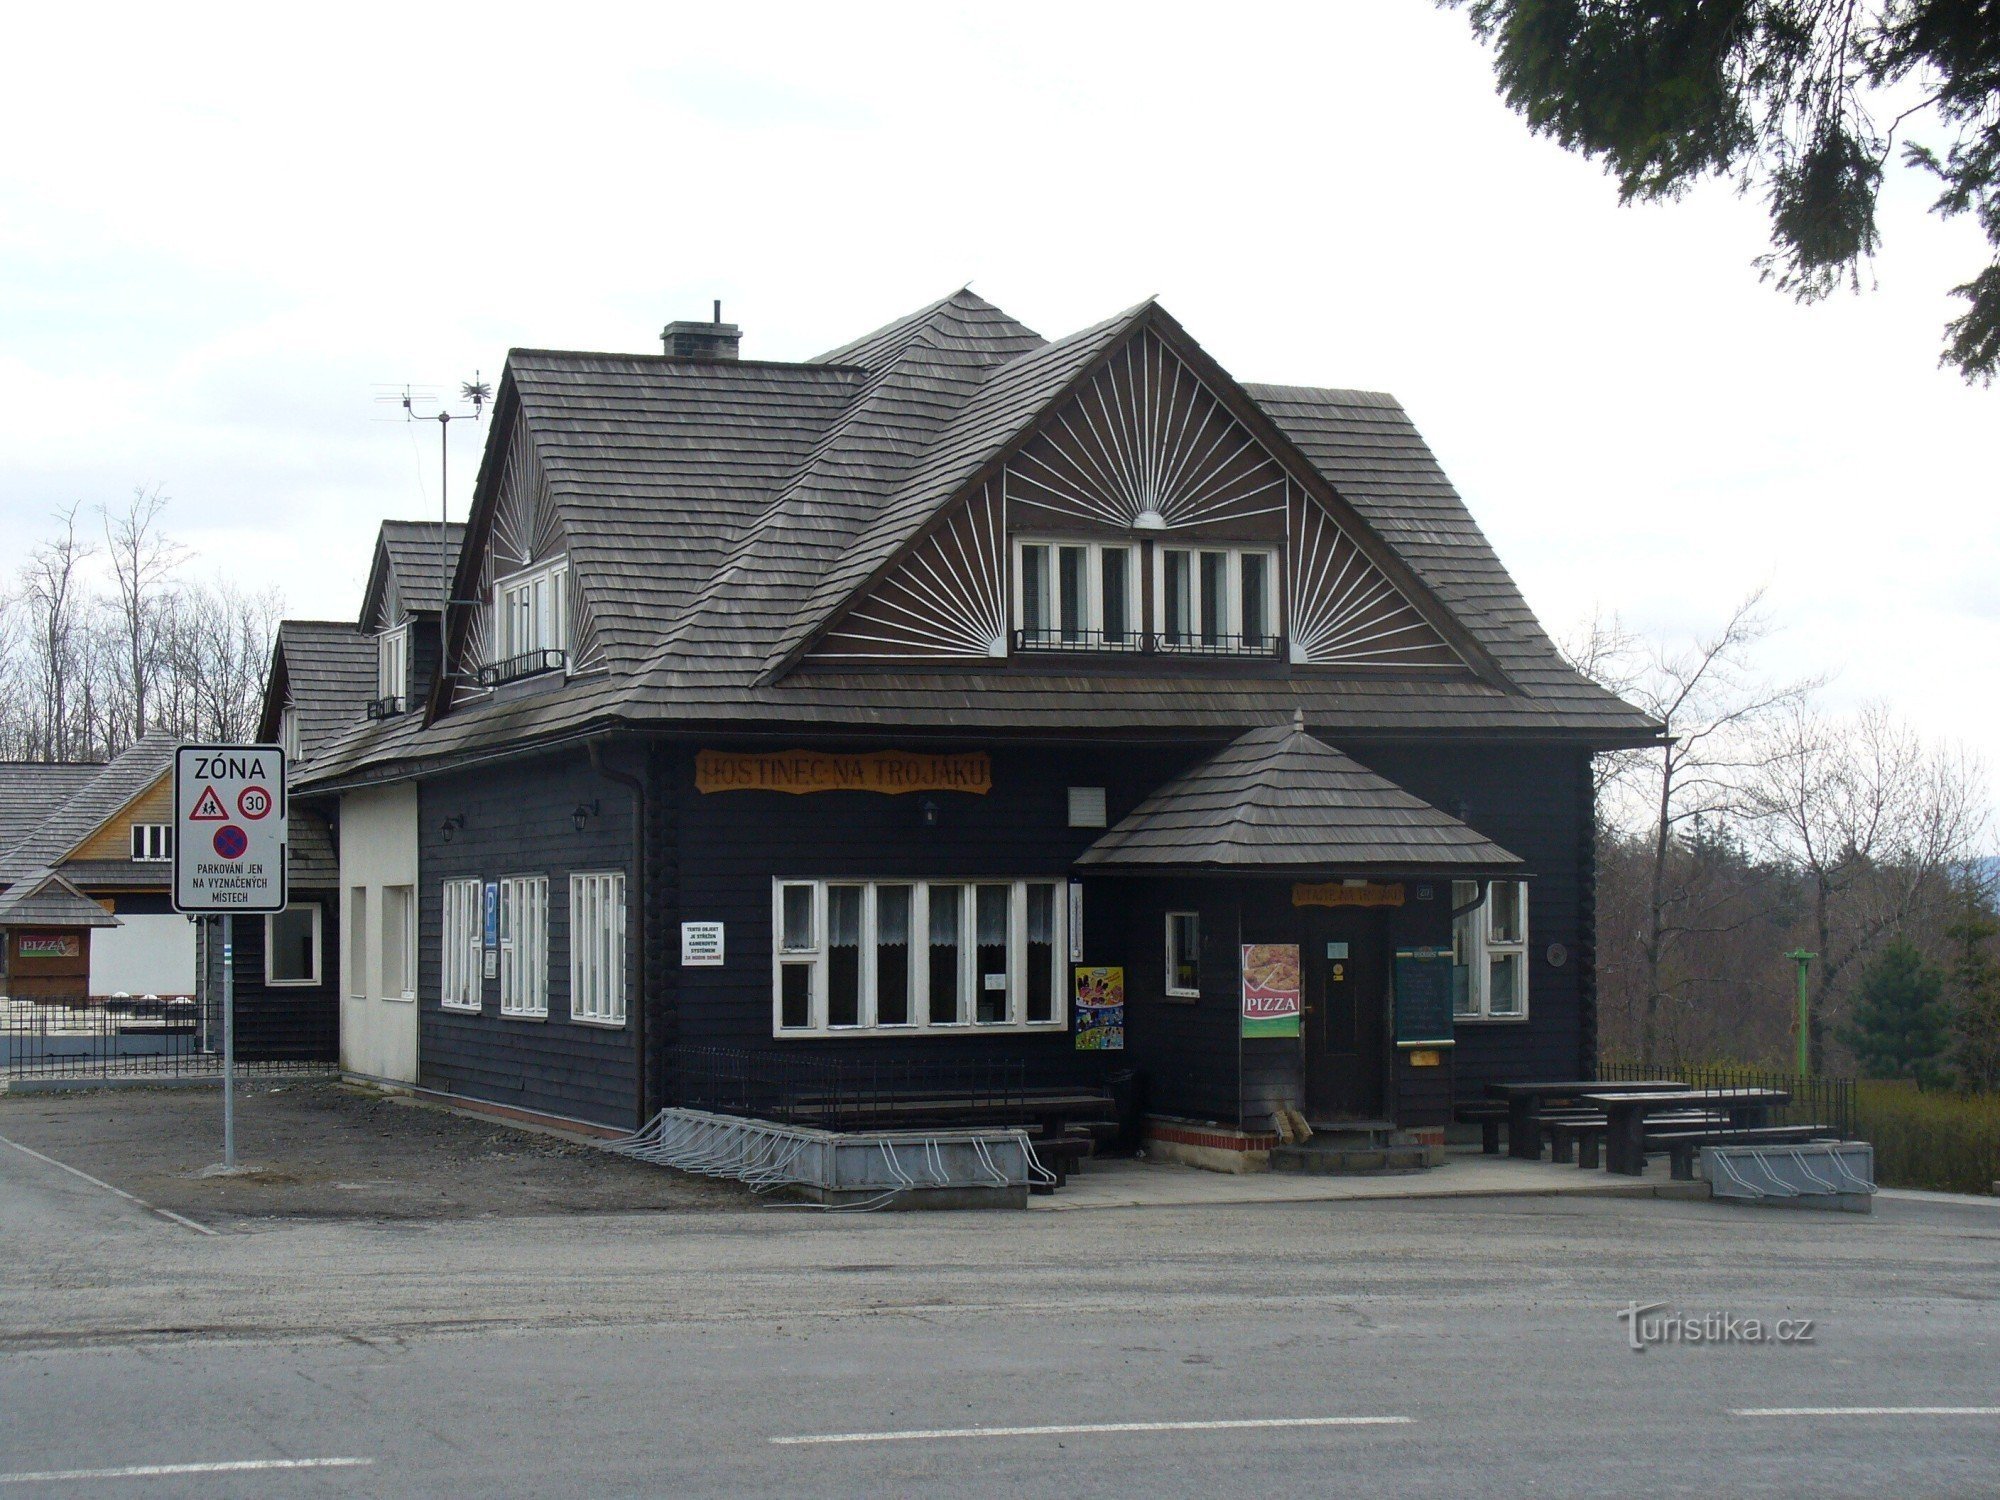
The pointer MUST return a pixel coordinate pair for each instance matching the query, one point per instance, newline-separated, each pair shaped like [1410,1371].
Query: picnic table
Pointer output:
[1625,1110]
[1525,1101]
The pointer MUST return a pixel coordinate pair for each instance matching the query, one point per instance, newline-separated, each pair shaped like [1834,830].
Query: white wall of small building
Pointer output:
[378,849]
[151,954]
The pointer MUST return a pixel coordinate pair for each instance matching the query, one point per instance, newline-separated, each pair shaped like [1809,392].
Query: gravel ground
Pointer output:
[323,1150]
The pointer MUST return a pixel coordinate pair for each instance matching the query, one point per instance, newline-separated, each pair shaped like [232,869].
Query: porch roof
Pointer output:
[45,899]
[1279,802]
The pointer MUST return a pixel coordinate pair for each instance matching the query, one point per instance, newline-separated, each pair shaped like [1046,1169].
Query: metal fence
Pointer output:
[840,1093]
[1816,1100]
[172,1036]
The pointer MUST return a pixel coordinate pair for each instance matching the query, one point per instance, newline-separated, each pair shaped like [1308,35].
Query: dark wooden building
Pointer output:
[919,702]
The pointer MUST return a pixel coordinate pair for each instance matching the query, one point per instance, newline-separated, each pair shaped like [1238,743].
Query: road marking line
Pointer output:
[1868,1411]
[165,1213]
[154,1471]
[1071,1428]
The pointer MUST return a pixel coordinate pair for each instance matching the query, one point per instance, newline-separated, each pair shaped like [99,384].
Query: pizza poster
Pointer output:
[1271,989]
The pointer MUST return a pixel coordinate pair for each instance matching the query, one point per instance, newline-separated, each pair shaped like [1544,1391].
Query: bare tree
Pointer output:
[53,594]
[1877,821]
[142,560]
[1712,704]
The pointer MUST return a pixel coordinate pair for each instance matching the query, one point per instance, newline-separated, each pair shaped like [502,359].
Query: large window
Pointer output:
[1489,952]
[463,947]
[291,945]
[1217,599]
[1076,595]
[152,842]
[399,942]
[392,663]
[532,611]
[1184,953]
[895,956]
[524,946]
[597,948]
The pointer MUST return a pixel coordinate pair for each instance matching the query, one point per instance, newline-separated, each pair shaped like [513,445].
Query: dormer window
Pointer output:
[288,734]
[531,623]
[1076,596]
[1216,600]
[392,667]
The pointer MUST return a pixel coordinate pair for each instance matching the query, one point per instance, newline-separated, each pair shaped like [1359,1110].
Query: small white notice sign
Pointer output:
[701,944]
[229,828]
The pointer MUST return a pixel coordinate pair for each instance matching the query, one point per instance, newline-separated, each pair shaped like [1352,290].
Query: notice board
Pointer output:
[1423,997]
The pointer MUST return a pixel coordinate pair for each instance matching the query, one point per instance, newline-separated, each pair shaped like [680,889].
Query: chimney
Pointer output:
[712,340]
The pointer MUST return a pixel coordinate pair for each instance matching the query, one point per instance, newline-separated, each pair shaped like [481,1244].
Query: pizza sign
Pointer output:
[1271,993]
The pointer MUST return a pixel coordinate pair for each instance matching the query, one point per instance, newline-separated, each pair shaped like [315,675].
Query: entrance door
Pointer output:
[1345,999]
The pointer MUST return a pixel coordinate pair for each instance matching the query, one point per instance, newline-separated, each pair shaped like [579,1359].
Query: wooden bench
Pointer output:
[1488,1115]
[1061,1155]
[1681,1145]
[1579,1134]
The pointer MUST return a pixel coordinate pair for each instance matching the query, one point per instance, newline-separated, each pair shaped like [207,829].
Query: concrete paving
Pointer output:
[1116,1183]
[1461,1343]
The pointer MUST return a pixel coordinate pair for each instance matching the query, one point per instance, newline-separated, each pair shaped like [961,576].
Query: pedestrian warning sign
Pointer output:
[238,866]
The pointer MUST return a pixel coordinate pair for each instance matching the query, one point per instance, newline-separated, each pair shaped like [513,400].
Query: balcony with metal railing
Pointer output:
[526,664]
[1148,643]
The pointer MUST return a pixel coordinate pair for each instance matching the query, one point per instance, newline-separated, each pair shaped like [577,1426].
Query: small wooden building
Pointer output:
[961,697]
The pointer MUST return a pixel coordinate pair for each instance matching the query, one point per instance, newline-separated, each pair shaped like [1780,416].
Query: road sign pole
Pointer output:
[1804,960]
[228,1042]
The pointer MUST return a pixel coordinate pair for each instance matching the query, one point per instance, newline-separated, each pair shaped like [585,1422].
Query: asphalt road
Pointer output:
[691,1353]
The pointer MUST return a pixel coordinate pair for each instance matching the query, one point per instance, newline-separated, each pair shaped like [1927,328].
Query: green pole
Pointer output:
[1804,960]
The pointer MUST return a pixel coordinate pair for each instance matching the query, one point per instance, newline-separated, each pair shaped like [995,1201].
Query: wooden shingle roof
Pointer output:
[326,670]
[42,898]
[87,809]
[1279,802]
[717,514]
[31,790]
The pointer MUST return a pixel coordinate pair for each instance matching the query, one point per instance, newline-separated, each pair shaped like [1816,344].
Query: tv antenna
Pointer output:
[415,401]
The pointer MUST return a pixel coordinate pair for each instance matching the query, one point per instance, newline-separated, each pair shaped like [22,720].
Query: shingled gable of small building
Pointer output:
[1280,802]
[89,808]
[31,789]
[413,563]
[732,501]
[326,670]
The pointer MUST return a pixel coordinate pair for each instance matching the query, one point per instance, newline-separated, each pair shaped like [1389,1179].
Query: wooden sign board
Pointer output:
[1340,893]
[891,772]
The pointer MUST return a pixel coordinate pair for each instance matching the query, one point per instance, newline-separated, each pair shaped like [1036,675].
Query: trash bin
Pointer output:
[1128,1103]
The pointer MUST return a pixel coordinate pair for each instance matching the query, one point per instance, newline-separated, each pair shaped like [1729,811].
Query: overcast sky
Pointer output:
[224,233]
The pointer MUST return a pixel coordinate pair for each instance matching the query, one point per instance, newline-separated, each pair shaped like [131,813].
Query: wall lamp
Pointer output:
[583,812]
[928,811]
[455,821]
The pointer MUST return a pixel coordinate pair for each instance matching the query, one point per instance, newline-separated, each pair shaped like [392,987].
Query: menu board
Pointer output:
[1100,1009]
[1423,997]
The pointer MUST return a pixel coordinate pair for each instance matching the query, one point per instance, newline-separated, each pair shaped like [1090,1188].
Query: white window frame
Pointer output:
[392,662]
[524,947]
[152,843]
[399,917]
[288,734]
[1180,992]
[462,950]
[815,958]
[1093,593]
[524,620]
[597,947]
[1473,931]
[1232,606]
[318,939]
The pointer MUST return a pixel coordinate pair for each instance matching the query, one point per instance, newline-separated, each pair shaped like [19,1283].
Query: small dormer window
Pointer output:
[392,663]
[532,611]
[288,733]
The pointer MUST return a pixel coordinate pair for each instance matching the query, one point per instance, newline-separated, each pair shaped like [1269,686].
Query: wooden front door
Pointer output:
[1346,1000]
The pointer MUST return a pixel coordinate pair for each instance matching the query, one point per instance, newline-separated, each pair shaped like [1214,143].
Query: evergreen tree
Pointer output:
[1975,994]
[1900,1018]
